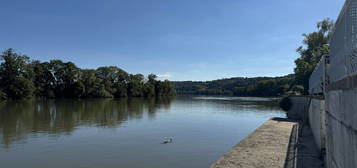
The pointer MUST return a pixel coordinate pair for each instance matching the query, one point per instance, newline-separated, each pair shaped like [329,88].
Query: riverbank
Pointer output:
[278,143]
[267,146]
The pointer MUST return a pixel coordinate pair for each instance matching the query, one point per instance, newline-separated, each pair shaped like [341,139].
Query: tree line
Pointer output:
[21,77]
[257,86]
[315,45]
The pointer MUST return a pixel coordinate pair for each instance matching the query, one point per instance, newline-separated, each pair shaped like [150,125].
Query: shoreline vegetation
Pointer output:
[315,45]
[244,87]
[22,78]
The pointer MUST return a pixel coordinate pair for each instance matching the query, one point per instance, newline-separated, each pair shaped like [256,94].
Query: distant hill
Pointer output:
[238,86]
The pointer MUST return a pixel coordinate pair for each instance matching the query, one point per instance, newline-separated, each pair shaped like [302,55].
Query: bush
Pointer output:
[3,95]
[285,103]
[121,90]
[298,89]
[20,88]
[102,93]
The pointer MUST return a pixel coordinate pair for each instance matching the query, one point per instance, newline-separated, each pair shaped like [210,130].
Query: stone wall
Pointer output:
[334,129]
[340,91]
[341,115]
[317,121]
[314,116]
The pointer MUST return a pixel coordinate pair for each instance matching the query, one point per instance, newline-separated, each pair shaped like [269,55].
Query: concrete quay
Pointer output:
[267,146]
[278,143]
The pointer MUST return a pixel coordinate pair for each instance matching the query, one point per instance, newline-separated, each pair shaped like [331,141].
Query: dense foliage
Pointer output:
[285,103]
[259,86]
[315,45]
[21,77]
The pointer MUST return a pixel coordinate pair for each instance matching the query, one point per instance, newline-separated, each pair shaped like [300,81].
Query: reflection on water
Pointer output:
[18,118]
[242,104]
[112,133]
[248,99]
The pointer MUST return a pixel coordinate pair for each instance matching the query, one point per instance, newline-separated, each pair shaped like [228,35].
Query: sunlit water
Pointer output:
[126,133]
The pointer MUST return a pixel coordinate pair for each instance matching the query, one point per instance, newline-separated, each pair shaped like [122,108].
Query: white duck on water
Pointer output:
[168,140]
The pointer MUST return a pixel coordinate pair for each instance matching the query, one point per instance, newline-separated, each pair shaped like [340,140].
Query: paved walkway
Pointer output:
[266,147]
[307,154]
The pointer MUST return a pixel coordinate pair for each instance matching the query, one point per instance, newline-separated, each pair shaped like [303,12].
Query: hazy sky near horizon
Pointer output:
[176,39]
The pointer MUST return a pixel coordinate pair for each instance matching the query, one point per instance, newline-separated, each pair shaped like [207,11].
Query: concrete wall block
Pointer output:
[329,142]
[333,96]
[335,128]
[354,147]
[349,146]
[343,105]
[346,146]
[323,124]
[341,144]
[334,151]
[338,146]
[314,116]
[353,110]
[316,111]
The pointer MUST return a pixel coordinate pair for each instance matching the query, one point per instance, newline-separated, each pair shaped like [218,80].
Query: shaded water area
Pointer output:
[111,133]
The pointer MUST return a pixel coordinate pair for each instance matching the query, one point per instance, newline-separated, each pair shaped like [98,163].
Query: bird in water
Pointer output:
[168,140]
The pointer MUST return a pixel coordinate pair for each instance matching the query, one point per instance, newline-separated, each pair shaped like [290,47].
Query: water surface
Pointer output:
[112,133]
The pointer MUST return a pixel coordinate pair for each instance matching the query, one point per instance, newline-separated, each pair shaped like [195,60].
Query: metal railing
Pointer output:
[342,60]
[317,78]
[343,43]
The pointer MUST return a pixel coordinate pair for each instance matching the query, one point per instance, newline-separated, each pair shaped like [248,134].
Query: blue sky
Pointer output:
[176,39]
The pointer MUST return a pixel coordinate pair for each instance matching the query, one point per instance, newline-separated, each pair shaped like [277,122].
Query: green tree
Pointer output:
[16,75]
[152,78]
[20,88]
[315,45]
[149,86]
[164,89]
[43,79]
[297,89]
[135,85]
[22,78]
[3,95]
[120,89]
[66,79]
[93,85]
[112,78]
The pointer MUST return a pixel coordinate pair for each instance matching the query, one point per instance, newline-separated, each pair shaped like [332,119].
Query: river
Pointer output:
[127,133]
